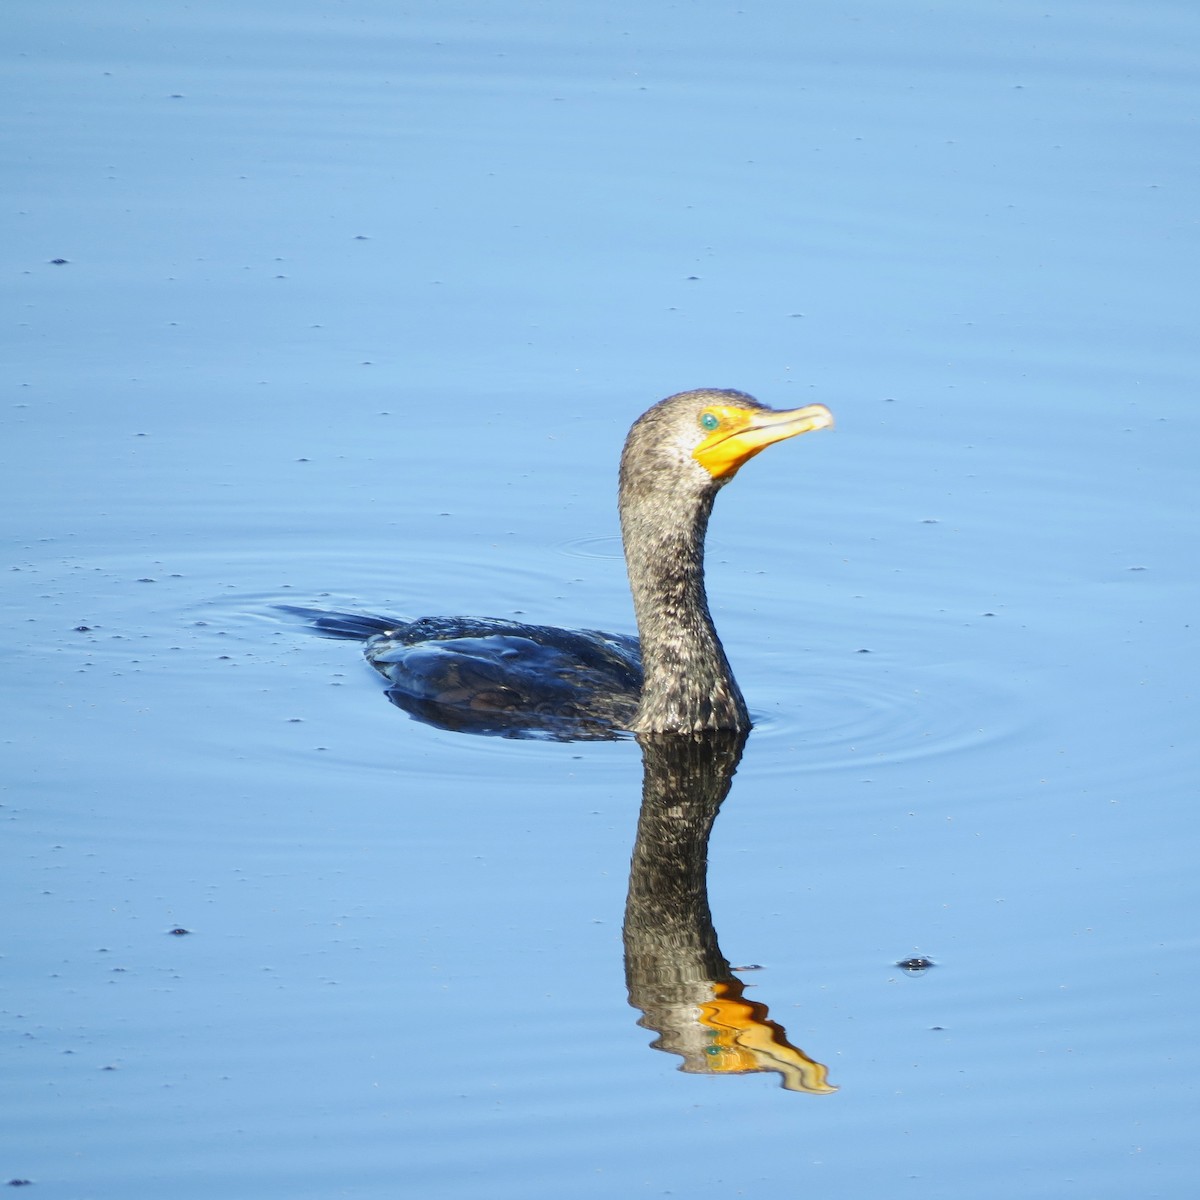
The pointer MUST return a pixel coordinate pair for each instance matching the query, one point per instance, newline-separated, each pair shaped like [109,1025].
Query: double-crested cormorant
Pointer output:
[495,676]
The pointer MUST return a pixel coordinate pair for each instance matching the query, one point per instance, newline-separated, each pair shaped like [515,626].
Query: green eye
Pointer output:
[709,421]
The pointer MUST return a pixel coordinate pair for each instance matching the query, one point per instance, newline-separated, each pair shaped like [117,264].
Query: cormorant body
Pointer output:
[502,677]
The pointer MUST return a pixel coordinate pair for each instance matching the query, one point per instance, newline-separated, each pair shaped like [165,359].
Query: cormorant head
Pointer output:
[704,436]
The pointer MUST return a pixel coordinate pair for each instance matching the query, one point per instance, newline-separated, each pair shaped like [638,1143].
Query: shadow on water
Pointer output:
[674,968]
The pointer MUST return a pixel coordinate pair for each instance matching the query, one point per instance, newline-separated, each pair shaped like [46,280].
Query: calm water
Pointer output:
[358,303]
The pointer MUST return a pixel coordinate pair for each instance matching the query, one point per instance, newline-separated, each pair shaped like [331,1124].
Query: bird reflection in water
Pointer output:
[672,687]
[674,968]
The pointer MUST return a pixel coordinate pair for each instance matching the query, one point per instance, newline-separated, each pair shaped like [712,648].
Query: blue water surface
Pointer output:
[351,305]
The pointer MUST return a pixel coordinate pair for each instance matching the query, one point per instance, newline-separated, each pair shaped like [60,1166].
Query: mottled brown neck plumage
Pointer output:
[666,498]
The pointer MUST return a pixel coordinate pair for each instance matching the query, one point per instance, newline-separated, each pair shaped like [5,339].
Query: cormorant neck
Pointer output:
[688,682]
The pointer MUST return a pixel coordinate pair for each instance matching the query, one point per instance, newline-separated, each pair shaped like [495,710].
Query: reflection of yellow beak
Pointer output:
[743,432]
[746,1039]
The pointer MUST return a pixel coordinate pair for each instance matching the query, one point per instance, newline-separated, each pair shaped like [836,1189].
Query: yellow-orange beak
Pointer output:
[741,433]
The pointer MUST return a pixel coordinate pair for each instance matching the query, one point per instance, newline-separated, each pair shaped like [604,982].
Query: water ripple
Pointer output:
[597,546]
[846,715]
